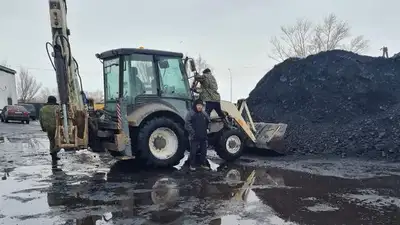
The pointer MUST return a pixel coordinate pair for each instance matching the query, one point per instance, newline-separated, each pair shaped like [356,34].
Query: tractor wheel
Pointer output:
[94,142]
[161,142]
[230,145]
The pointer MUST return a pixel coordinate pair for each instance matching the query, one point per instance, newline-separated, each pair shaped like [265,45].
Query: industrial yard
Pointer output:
[91,188]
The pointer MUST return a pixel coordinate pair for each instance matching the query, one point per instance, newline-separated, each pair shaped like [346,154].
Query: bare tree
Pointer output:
[28,87]
[45,93]
[304,38]
[201,64]
[4,63]
[97,96]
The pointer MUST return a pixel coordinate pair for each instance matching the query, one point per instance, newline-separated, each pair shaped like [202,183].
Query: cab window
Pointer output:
[173,83]
[111,75]
[139,77]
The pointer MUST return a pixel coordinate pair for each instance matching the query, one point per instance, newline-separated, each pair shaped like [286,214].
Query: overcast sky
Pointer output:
[228,34]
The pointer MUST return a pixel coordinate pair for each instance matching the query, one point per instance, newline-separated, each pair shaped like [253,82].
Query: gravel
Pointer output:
[334,102]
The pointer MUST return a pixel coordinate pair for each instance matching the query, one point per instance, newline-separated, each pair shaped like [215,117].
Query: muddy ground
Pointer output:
[89,189]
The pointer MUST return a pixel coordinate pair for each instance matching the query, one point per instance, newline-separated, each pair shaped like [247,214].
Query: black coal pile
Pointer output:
[334,102]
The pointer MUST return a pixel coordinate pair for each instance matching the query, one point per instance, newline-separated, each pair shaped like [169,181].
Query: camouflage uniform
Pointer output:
[47,118]
[209,87]
[209,93]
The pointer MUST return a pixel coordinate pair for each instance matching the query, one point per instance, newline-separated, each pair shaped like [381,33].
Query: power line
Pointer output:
[47,69]
[96,73]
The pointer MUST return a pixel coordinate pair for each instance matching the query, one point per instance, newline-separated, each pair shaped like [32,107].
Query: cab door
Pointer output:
[174,86]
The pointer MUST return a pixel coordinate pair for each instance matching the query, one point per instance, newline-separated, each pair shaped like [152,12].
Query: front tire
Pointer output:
[161,142]
[230,145]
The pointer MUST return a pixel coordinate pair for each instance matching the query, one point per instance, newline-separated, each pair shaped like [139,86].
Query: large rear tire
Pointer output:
[94,142]
[230,145]
[161,142]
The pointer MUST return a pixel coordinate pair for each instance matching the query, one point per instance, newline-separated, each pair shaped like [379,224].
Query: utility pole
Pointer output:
[230,78]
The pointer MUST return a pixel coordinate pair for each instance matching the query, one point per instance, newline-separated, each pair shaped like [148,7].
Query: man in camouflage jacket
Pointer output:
[209,93]
[47,118]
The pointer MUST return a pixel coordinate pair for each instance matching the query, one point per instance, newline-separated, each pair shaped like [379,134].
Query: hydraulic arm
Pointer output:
[72,119]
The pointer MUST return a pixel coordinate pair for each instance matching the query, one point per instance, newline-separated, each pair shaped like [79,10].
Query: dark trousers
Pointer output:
[385,54]
[51,135]
[210,106]
[198,147]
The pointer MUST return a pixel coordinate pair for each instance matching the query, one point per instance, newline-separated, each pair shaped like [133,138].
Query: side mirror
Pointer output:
[163,64]
[193,66]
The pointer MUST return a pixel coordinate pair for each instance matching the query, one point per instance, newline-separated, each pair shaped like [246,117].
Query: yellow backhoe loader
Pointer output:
[147,95]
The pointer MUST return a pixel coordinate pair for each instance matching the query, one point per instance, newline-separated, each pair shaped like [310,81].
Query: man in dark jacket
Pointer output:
[196,123]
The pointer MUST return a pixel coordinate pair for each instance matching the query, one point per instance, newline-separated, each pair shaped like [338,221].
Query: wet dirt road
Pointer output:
[89,189]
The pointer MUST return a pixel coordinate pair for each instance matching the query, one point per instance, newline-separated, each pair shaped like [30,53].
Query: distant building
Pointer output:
[8,87]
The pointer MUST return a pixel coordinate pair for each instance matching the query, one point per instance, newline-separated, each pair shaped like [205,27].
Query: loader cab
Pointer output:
[142,75]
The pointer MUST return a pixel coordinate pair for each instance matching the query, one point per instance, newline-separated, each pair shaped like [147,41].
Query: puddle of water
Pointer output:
[22,196]
[24,150]
[322,208]
[32,221]
[86,185]
[343,168]
[118,196]
[112,196]
[373,201]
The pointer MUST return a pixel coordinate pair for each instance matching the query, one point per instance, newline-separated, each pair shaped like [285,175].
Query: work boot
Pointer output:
[54,156]
[192,168]
[205,167]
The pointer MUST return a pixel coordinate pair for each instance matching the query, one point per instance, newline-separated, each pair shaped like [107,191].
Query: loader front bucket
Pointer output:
[270,136]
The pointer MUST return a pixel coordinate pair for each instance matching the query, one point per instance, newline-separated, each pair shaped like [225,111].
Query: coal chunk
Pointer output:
[335,102]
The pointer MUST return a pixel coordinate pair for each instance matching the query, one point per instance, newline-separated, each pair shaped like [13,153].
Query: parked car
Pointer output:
[31,109]
[15,112]
[37,106]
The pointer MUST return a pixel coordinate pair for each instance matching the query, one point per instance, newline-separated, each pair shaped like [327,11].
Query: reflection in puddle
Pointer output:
[230,194]
[372,200]
[342,168]
[162,197]
[22,199]
[322,208]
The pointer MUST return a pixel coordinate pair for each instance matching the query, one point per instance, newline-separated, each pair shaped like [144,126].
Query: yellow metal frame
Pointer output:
[260,133]
[236,114]
[75,142]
